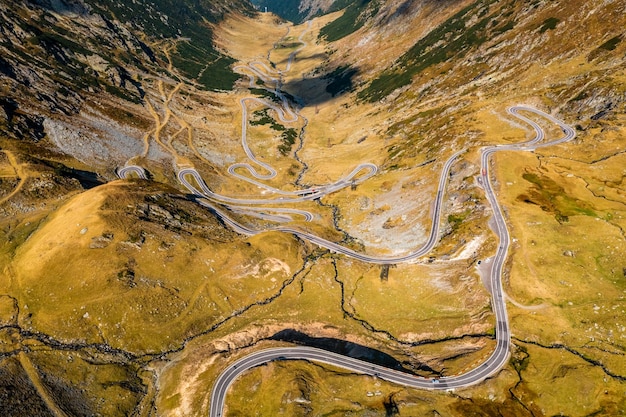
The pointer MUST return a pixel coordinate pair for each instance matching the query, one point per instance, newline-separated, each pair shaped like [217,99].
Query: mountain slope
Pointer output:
[300,10]
[69,53]
[412,84]
[76,71]
[127,297]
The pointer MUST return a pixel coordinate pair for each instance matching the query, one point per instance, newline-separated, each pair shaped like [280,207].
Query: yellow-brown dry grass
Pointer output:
[130,279]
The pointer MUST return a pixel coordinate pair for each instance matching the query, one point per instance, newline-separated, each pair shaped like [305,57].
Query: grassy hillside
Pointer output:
[195,57]
[150,271]
[355,14]
[126,297]
[444,77]
[453,40]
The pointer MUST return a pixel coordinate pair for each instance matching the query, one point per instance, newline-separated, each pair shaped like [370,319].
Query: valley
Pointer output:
[303,242]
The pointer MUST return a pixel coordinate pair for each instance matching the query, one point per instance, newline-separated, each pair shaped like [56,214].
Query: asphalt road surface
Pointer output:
[490,366]
[193,181]
[126,171]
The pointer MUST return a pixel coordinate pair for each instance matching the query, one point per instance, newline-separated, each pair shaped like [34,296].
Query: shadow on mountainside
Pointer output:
[317,56]
[313,91]
[346,348]
[87,179]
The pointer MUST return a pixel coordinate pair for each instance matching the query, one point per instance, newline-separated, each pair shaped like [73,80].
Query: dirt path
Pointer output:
[160,123]
[20,173]
[43,392]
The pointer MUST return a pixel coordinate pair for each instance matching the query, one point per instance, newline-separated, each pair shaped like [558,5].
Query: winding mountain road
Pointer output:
[192,180]
[129,169]
[285,113]
[499,356]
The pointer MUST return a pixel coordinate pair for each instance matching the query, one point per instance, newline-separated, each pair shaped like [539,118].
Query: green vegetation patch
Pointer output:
[452,39]
[198,61]
[262,118]
[611,44]
[188,20]
[455,220]
[549,24]
[606,47]
[353,19]
[288,140]
[261,92]
[288,136]
[551,197]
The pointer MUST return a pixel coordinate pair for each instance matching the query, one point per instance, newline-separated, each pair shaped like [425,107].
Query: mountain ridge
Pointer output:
[298,11]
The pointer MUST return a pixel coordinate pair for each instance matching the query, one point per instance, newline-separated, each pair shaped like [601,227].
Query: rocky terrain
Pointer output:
[127,297]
